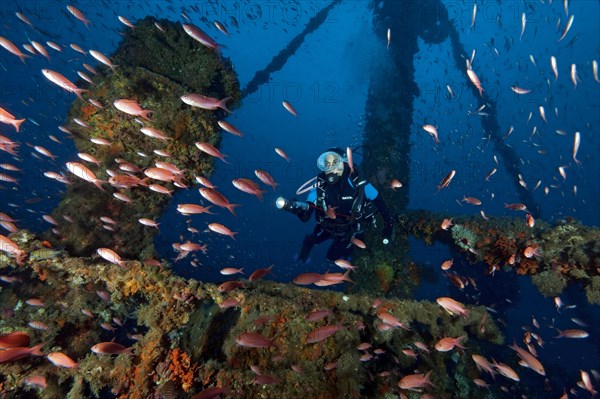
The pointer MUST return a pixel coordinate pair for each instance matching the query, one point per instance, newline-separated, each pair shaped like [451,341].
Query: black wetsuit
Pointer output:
[353,202]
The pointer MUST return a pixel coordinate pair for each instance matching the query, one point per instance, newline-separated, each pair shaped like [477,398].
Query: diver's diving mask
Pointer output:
[332,164]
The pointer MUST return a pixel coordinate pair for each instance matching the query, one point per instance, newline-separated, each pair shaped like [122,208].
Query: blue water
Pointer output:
[327,81]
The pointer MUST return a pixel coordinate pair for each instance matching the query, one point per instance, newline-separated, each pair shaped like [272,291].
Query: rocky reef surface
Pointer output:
[259,340]
[555,255]
[154,68]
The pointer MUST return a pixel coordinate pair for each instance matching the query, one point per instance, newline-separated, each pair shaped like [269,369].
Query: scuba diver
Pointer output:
[344,204]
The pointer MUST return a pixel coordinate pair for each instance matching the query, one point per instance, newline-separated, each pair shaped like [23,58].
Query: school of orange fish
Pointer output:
[15,345]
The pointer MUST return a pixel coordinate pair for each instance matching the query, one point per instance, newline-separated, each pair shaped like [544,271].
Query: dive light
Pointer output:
[291,206]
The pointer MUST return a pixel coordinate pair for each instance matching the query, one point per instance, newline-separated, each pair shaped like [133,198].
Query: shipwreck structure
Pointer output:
[175,337]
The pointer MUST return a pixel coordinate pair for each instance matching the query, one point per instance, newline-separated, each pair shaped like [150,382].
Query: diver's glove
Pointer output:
[388,231]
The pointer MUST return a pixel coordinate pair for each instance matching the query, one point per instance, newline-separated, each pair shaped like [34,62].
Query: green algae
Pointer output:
[384,269]
[550,283]
[463,237]
[592,290]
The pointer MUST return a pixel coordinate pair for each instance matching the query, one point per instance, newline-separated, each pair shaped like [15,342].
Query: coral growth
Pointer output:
[183,342]
[463,237]
[568,248]
[527,266]
[185,66]
[549,282]
[592,290]
[182,369]
[385,275]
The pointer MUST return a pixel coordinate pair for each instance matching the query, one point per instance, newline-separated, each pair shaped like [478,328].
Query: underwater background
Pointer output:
[362,74]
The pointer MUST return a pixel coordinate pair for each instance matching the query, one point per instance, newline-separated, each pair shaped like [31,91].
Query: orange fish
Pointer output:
[530,220]
[219,228]
[14,340]
[8,118]
[79,15]
[155,133]
[390,320]
[253,340]
[447,344]
[322,333]
[432,130]
[530,361]
[10,247]
[10,354]
[453,307]
[229,303]
[395,183]
[10,47]
[221,27]
[248,186]
[200,101]
[148,222]
[483,364]
[77,48]
[447,264]
[446,223]
[211,150]
[260,273]
[330,212]
[414,382]
[62,82]
[126,22]
[111,256]
[217,198]
[131,107]
[41,49]
[515,207]
[192,246]
[587,382]
[506,371]
[205,182]
[162,175]
[349,158]
[471,200]
[519,90]
[36,379]
[282,154]
[446,181]
[475,80]
[230,270]
[531,251]
[567,27]
[228,127]
[344,264]
[317,315]
[200,36]
[266,178]
[24,18]
[289,107]
[572,333]
[62,360]
[191,209]
[229,286]
[111,348]
[307,278]
[358,243]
